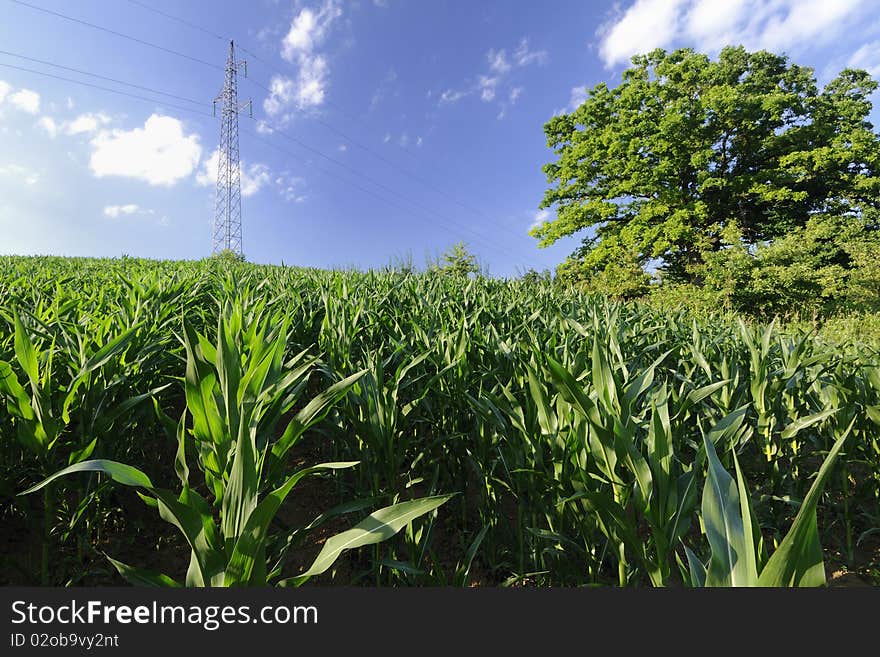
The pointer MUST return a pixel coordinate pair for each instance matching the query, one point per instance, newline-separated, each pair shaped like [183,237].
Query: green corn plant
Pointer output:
[558,490]
[642,480]
[735,539]
[236,392]
[41,410]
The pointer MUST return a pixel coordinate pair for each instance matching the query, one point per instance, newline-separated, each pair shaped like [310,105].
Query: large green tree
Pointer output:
[686,149]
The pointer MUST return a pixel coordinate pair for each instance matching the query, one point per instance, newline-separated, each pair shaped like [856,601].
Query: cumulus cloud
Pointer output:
[281,92]
[26,100]
[540,217]
[48,125]
[308,31]
[306,90]
[577,98]
[5,88]
[160,153]
[86,123]
[253,176]
[83,124]
[264,128]
[114,211]
[709,25]
[311,82]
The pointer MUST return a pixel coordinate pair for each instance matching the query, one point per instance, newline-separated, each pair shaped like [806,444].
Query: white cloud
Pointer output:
[309,29]
[47,123]
[84,123]
[342,148]
[512,97]
[311,81]
[290,187]
[646,25]
[5,88]
[868,58]
[26,100]
[307,90]
[281,93]
[498,61]
[487,87]
[253,176]
[709,25]
[501,68]
[27,176]
[386,86]
[113,211]
[578,96]
[523,56]
[540,217]
[69,103]
[307,32]
[451,96]
[88,123]
[160,153]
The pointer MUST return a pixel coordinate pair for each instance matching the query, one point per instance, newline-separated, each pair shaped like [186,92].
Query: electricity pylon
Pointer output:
[227,213]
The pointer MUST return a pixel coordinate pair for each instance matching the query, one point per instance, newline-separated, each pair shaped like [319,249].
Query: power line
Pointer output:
[255,56]
[339,132]
[114,91]
[198,27]
[403,170]
[206,63]
[179,19]
[477,237]
[358,119]
[378,184]
[101,77]
[119,34]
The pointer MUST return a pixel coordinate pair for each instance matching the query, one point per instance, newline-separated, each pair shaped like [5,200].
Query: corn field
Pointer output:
[226,424]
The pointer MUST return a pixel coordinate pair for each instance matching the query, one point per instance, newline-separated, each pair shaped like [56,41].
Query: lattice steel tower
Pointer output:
[227,213]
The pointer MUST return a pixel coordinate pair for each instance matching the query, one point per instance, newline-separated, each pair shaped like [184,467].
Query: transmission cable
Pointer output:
[477,237]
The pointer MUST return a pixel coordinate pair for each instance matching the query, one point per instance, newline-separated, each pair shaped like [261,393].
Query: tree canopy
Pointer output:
[458,261]
[688,151]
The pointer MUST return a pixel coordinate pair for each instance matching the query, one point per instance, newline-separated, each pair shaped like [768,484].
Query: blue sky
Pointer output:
[442,103]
